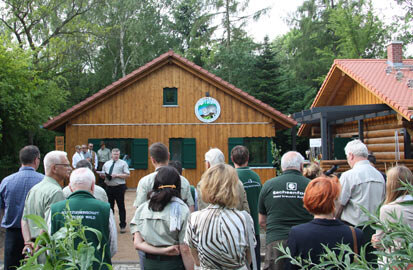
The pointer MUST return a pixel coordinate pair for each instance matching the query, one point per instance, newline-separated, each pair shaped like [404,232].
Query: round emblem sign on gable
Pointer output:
[207,109]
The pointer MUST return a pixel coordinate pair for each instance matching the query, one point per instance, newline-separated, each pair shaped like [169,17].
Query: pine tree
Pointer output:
[268,78]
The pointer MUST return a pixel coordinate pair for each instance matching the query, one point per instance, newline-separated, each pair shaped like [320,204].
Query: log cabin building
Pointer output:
[369,99]
[173,101]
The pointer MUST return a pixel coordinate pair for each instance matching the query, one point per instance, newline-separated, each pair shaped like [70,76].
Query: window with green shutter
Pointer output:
[184,151]
[133,151]
[259,148]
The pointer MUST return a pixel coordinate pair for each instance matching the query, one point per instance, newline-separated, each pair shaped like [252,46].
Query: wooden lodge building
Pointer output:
[369,99]
[173,101]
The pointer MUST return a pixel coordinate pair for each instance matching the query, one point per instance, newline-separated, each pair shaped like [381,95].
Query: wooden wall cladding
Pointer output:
[138,112]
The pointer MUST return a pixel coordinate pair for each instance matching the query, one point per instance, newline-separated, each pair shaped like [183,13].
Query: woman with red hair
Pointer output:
[307,239]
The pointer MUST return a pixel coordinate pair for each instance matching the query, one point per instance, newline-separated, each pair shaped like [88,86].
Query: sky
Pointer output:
[274,23]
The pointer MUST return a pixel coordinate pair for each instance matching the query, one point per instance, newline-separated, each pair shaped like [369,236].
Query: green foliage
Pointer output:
[266,84]
[360,34]
[236,64]
[396,243]
[403,23]
[191,26]
[27,100]
[276,155]
[68,248]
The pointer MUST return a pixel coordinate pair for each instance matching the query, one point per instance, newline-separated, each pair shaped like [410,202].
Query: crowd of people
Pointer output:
[215,225]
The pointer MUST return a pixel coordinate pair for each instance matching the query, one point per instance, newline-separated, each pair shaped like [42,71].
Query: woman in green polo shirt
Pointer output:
[159,224]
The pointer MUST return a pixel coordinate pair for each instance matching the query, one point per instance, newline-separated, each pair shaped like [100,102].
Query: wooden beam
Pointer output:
[324,137]
[361,129]
[407,145]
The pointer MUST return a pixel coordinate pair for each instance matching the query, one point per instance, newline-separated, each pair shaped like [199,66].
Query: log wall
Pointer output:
[382,165]
[380,139]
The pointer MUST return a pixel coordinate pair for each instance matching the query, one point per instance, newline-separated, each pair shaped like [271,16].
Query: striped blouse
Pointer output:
[220,236]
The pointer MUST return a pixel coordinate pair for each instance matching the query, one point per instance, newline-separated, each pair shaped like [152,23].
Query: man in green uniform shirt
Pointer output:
[252,185]
[280,206]
[94,214]
[44,194]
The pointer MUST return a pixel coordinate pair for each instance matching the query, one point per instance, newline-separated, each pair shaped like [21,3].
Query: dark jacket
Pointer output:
[308,237]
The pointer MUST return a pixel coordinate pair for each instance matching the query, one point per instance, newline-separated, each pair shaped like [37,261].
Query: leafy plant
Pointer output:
[68,248]
[276,154]
[397,243]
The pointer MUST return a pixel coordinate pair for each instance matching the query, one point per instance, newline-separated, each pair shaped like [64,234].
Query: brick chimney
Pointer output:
[395,53]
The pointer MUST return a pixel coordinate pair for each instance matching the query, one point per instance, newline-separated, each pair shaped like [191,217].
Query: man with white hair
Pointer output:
[362,185]
[94,214]
[280,207]
[213,157]
[44,194]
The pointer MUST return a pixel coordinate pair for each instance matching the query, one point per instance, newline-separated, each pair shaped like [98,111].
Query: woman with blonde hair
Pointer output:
[218,235]
[312,171]
[395,196]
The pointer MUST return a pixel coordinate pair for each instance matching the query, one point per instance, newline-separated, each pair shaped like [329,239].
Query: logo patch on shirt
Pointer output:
[291,186]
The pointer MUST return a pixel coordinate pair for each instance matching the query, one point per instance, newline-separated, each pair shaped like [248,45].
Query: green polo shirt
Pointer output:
[39,199]
[281,200]
[252,185]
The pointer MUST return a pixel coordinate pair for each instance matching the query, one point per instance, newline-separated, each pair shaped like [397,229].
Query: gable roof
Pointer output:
[370,74]
[281,120]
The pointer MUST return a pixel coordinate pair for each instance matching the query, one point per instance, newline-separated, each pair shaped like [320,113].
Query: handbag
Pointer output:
[250,240]
[355,247]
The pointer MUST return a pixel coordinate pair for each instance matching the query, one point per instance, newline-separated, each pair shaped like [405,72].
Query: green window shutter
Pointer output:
[189,153]
[96,144]
[140,153]
[232,142]
[269,153]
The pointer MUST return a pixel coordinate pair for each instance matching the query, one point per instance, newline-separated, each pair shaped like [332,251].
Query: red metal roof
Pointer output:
[371,74]
[62,118]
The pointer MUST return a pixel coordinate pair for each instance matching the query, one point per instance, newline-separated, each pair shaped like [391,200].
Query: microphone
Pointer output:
[331,170]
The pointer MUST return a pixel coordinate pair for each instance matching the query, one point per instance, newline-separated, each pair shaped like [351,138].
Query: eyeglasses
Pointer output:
[62,164]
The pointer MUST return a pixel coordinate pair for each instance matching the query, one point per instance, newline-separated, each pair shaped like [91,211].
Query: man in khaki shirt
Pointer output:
[103,155]
[44,194]
[160,157]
